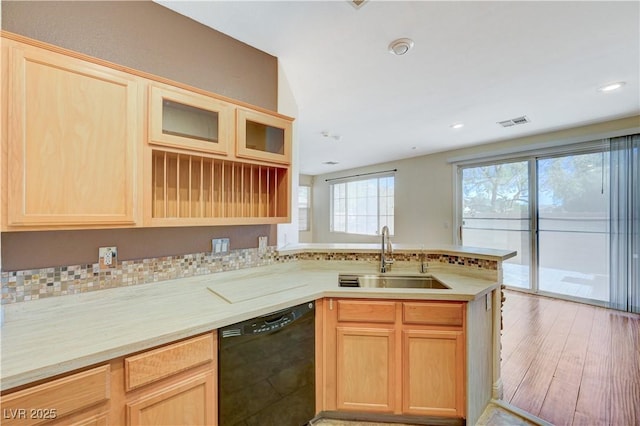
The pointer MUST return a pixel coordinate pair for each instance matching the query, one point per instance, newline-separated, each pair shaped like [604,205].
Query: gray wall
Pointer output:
[31,250]
[148,37]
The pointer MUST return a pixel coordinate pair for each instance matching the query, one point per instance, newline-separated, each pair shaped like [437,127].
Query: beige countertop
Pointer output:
[43,338]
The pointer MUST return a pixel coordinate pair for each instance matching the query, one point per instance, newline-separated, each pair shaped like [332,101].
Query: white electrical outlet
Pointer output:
[262,245]
[107,257]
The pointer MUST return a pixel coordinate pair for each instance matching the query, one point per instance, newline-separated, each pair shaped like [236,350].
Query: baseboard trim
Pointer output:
[520,412]
[388,418]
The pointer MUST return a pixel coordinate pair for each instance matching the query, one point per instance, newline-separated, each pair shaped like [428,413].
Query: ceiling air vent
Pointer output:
[518,120]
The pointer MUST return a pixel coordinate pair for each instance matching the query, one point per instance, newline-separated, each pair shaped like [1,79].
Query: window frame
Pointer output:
[379,222]
[531,157]
[307,208]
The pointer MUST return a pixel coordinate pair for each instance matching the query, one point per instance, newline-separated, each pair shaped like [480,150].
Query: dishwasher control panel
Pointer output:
[267,323]
[267,326]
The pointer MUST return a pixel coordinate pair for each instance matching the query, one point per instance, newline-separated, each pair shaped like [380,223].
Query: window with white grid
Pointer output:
[304,208]
[362,206]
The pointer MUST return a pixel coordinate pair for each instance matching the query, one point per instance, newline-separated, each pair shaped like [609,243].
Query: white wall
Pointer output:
[288,232]
[307,236]
[424,201]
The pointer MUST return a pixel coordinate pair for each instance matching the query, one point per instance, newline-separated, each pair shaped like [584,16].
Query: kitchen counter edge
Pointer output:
[320,283]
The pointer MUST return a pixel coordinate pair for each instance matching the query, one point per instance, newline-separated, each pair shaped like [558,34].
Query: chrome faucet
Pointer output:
[384,261]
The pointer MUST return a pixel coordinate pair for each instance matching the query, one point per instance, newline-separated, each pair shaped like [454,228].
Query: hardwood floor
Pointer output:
[570,363]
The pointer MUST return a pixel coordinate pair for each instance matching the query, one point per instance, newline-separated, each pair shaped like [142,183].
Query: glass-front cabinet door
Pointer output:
[182,119]
[263,137]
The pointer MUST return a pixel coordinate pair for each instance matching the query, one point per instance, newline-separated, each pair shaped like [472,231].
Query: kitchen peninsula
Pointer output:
[52,339]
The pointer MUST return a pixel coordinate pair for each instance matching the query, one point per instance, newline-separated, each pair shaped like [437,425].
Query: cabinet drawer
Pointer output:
[433,313]
[57,398]
[190,401]
[163,362]
[368,311]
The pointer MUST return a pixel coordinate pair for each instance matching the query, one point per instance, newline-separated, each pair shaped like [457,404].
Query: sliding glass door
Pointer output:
[561,231]
[573,225]
[496,214]
[571,212]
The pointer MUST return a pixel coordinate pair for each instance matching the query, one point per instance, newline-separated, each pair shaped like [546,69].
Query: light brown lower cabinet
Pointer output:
[80,399]
[393,357]
[170,385]
[433,373]
[188,402]
[365,369]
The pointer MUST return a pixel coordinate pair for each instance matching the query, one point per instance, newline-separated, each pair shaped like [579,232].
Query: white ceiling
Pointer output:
[473,62]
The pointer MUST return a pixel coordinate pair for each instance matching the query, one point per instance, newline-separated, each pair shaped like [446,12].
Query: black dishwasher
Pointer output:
[266,372]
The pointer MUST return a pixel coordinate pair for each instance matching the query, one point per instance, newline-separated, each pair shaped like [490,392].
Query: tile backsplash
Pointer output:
[33,284]
[448,259]
[22,286]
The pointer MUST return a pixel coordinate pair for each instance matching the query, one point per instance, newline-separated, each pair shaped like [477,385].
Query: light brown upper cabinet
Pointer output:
[90,144]
[263,137]
[72,141]
[192,187]
[189,189]
[188,120]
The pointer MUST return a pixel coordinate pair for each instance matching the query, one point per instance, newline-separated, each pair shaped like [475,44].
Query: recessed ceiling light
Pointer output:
[611,86]
[330,163]
[457,125]
[400,46]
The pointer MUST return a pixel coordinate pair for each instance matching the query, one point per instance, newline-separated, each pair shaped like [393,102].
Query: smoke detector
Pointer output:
[400,46]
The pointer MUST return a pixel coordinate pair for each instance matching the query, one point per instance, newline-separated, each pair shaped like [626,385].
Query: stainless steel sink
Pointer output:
[390,281]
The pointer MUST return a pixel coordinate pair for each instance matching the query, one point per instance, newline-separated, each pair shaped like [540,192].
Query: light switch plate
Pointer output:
[262,245]
[107,257]
[220,245]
